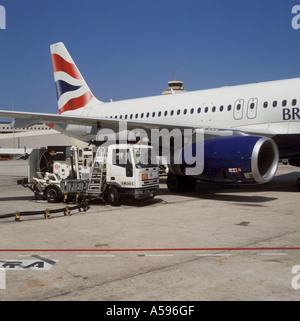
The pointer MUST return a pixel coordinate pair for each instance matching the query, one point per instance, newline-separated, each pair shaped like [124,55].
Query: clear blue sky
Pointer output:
[128,49]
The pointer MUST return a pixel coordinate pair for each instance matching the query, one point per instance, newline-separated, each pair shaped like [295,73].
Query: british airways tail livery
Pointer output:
[72,91]
[246,129]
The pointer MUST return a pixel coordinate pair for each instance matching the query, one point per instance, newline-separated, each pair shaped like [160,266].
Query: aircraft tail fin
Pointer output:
[72,91]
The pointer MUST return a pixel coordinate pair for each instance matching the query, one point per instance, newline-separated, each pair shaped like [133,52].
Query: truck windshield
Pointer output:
[143,158]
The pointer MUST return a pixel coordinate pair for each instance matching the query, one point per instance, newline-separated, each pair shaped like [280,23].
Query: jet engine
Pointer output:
[226,160]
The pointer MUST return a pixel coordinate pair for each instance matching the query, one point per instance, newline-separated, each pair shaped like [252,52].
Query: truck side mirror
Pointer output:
[129,169]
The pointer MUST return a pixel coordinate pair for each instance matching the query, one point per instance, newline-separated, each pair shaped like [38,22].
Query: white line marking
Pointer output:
[159,255]
[272,253]
[95,255]
[84,255]
[104,255]
[213,254]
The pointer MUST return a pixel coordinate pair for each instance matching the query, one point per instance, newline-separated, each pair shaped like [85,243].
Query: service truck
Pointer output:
[109,172]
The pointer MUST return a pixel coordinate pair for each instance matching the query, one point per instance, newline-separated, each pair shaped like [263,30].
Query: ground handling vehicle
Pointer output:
[109,173]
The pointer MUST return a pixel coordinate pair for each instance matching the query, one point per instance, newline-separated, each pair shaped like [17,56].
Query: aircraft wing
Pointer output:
[26,119]
[22,119]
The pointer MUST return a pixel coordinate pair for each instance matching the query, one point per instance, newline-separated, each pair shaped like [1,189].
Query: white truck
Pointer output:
[108,173]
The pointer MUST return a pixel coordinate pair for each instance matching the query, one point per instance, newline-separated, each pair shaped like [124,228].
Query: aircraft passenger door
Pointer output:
[252,108]
[238,109]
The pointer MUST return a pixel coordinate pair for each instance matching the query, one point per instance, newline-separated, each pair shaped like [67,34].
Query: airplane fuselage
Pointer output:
[267,108]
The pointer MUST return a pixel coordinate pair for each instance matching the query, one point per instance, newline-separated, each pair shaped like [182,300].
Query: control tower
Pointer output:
[176,86]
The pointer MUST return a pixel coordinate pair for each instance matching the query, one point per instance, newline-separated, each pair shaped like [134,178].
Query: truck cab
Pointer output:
[132,170]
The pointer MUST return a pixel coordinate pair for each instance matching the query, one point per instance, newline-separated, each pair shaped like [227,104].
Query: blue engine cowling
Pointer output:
[239,159]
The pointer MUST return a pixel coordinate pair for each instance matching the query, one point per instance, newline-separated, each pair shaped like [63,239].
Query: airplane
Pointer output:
[247,128]
[17,153]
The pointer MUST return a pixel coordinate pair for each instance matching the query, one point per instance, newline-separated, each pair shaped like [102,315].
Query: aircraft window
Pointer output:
[275,103]
[166,113]
[206,109]
[126,116]
[148,114]
[136,116]
[142,115]
[294,102]
[199,110]
[116,117]
[265,104]
[214,109]
[121,117]
[153,114]
[238,107]
[159,113]
[185,111]
[178,112]
[221,108]
[229,108]
[192,110]
[172,112]
[131,116]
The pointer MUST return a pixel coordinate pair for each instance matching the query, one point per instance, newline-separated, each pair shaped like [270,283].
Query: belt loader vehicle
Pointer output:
[106,172]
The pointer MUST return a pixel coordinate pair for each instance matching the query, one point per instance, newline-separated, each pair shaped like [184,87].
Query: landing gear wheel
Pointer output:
[174,182]
[178,183]
[53,194]
[190,184]
[114,197]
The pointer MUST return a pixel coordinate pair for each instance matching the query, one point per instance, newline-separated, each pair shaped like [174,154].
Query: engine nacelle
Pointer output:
[239,159]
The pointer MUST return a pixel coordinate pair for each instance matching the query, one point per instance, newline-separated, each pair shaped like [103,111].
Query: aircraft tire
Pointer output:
[178,183]
[174,182]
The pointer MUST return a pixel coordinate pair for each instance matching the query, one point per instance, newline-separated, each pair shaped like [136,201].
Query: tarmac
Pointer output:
[219,243]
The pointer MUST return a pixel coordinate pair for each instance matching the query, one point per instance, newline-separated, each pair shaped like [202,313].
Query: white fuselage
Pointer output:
[268,107]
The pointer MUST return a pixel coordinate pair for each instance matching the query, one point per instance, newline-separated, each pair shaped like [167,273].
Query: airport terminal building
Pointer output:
[6,128]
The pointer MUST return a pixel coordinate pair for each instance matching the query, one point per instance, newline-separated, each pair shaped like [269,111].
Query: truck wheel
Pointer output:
[113,197]
[53,194]
[174,183]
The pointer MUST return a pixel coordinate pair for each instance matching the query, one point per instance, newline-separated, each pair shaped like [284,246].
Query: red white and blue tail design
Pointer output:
[72,91]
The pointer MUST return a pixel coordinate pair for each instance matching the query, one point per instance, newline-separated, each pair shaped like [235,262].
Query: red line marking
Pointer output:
[153,250]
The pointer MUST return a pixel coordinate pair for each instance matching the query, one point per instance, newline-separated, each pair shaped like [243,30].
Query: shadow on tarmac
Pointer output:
[285,182]
[281,183]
